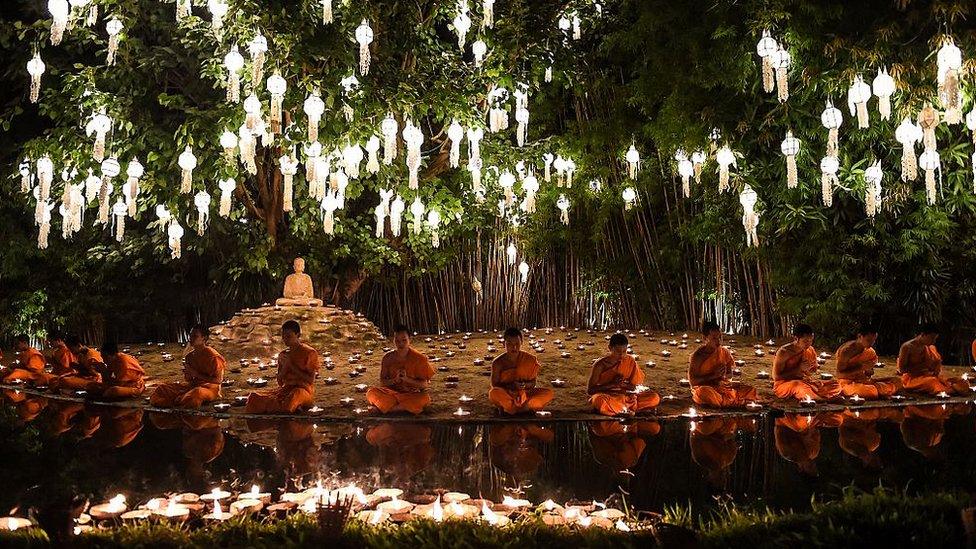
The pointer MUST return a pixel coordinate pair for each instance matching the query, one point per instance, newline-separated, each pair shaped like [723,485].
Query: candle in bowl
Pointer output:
[762,374]
[215,494]
[395,506]
[244,506]
[857,399]
[515,503]
[493,518]
[331,381]
[543,413]
[373,517]
[461,511]
[458,497]
[173,511]
[136,515]
[316,410]
[14,523]
[753,405]
[218,514]
[608,513]
[221,407]
[347,401]
[256,493]
[387,493]
[684,382]
[110,510]
[464,398]
[943,395]
[558,383]
[807,401]
[461,412]
[826,375]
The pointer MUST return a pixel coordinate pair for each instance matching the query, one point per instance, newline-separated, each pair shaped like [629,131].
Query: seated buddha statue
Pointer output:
[298,289]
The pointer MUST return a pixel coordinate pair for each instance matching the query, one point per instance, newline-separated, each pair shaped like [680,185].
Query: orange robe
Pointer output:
[524,368]
[513,448]
[714,447]
[404,448]
[126,377]
[61,360]
[29,367]
[296,384]
[619,445]
[709,380]
[923,427]
[203,371]
[120,426]
[607,372]
[859,437]
[793,376]
[86,374]
[797,439]
[925,376]
[397,397]
[855,374]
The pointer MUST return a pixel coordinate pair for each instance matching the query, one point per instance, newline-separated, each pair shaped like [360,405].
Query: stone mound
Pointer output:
[257,332]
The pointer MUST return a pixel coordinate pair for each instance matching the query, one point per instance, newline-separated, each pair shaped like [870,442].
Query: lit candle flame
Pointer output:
[456,509]
[549,505]
[116,504]
[437,512]
[218,510]
[255,491]
[585,521]
[171,508]
[376,517]
[622,526]
[488,515]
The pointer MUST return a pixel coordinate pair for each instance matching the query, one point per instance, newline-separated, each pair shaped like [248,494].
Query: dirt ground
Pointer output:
[463,366]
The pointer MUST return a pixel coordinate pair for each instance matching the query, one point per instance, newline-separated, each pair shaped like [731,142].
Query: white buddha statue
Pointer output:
[298,289]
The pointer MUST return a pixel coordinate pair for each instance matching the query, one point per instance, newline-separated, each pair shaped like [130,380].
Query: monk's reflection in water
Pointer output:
[514,448]
[405,449]
[619,446]
[202,442]
[714,446]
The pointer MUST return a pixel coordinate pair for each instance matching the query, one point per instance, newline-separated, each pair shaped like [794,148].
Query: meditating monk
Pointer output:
[797,438]
[404,449]
[203,371]
[794,367]
[123,376]
[60,357]
[513,376]
[29,366]
[920,366]
[620,445]
[299,291]
[404,377]
[297,367]
[86,371]
[514,448]
[708,371]
[615,385]
[855,368]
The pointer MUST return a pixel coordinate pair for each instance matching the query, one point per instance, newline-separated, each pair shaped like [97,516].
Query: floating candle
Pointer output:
[361,388]
[215,494]
[753,405]
[691,413]
[762,374]
[218,513]
[684,382]
[105,511]
[557,382]
[347,401]
[173,511]
[395,506]
[807,401]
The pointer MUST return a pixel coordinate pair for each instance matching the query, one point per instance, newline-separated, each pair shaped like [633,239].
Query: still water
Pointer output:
[56,450]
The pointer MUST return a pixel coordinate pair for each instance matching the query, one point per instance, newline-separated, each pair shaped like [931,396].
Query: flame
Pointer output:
[376,517]
[456,509]
[171,508]
[549,505]
[571,513]
[116,504]
[437,512]
[488,515]
[218,510]
[622,526]
[585,521]
[215,494]
[255,491]
[692,412]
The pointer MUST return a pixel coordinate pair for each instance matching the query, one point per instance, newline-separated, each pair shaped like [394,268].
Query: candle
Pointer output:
[245,506]
[452,497]
[684,382]
[316,410]
[464,398]
[436,512]
[943,394]
[395,506]
[807,401]
[753,405]
[558,382]
[622,526]
[691,413]
[491,517]
[257,494]
[763,374]
[461,412]
[218,513]
[373,517]
[670,397]
[136,515]
[14,523]
[514,503]
[856,399]
[215,495]
[347,401]
[174,511]
[543,413]
[112,509]
[388,493]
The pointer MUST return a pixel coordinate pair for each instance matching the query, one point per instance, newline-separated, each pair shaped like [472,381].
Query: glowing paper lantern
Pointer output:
[175,234]
[475,135]
[563,204]
[218,10]
[857,100]
[831,118]
[497,111]
[629,195]
[417,210]
[767,48]
[277,86]
[187,162]
[750,218]
[227,188]
[389,130]
[908,134]
[414,139]
[828,178]
[327,14]
[883,87]
[252,108]
[352,157]
[258,49]
[364,35]
[633,162]
[35,68]
[949,61]
[488,13]
[98,125]
[329,205]
[455,133]
[25,176]
[110,170]
[479,49]
[462,22]
[873,176]
[930,162]
[119,211]
[781,62]
[725,158]
[523,269]
[59,19]
[685,170]
[396,216]
[697,161]
[114,28]
[928,120]
[434,220]
[183,9]
[314,108]
[511,252]
[228,142]
[134,171]
[289,167]
[507,180]
[234,63]
[790,148]
[44,229]
[372,154]
[202,202]
[531,186]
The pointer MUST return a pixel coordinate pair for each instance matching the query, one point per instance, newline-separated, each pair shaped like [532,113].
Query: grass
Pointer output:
[883,518]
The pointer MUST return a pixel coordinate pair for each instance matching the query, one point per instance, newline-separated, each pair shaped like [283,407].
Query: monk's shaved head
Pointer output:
[618,339]
[110,347]
[867,329]
[401,328]
[708,327]
[928,328]
[292,326]
[802,330]
[513,332]
[200,329]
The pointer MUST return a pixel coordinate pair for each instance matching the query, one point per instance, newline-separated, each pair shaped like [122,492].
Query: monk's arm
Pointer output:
[697,376]
[496,377]
[779,362]
[387,377]
[904,358]
[591,385]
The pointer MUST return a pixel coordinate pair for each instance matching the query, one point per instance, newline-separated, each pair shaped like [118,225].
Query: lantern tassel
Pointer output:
[791,176]
[768,74]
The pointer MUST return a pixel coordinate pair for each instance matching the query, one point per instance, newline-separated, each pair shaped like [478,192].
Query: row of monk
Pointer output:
[615,385]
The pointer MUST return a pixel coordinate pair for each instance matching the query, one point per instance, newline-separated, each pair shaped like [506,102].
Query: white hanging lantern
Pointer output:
[329,205]
[523,270]
[313,151]
[35,68]
[697,162]
[629,196]
[380,212]
[163,216]
[725,158]
[119,211]
[414,139]
[487,14]
[750,218]
[767,48]
[99,125]
[314,108]
[134,171]
[577,31]
[352,157]
[831,118]
[828,179]
[252,106]
[564,24]
[790,148]
[25,176]
[633,162]
[950,91]
[474,167]
[234,63]
[183,9]
[548,75]
[175,234]
[396,216]
[44,230]
[873,176]
[857,101]
[883,87]
[327,14]
[258,49]
[45,175]
[187,162]
[114,28]
[908,134]
[389,129]
[781,62]
[277,86]
[350,85]
[531,186]
[521,131]
[455,133]
[497,111]
[511,252]
[372,154]
[930,162]
[110,169]
[289,167]
[202,202]
[462,23]
[228,142]
[92,185]
[596,185]
[227,188]
[340,182]
[563,204]
[479,49]
[434,220]
[507,181]
[417,210]
[59,19]
[364,35]
[928,120]
[218,10]
[686,169]
[248,149]
[475,135]
[547,160]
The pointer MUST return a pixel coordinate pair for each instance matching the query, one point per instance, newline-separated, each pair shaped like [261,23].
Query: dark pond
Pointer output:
[53,450]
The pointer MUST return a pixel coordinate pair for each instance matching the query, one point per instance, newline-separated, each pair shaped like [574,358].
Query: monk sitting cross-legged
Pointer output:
[29,366]
[404,375]
[297,367]
[708,370]
[513,376]
[920,366]
[203,371]
[794,367]
[60,356]
[615,382]
[855,368]
[86,369]
[122,377]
